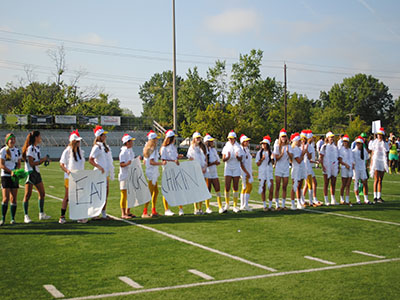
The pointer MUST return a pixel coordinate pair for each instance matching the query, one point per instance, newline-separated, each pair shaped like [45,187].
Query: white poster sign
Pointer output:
[110,120]
[376,125]
[184,184]
[137,188]
[87,194]
[62,119]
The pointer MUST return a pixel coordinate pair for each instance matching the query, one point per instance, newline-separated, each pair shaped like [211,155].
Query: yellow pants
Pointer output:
[235,198]
[309,181]
[66,183]
[124,198]
[154,193]
[249,187]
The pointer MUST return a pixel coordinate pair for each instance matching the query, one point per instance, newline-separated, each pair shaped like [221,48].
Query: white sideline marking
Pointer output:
[177,238]
[201,274]
[327,262]
[130,282]
[368,254]
[206,283]
[53,291]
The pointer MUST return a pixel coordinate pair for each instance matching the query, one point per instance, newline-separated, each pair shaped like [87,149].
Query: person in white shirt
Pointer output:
[10,160]
[247,173]
[72,159]
[281,156]
[329,161]
[296,155]
[151,157]
[211,174]
[311,181]
[360,156]
[340,142]
[126,156]
[197,152]
[264,161]
[379,165]
[31,155]
[232,156]
[346,161]
[169,153]
[101,159]
[320,142]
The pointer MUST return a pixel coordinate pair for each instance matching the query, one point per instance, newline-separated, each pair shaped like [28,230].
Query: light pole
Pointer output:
[174,69]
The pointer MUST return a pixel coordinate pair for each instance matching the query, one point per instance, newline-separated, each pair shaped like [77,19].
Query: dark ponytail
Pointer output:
[30,140]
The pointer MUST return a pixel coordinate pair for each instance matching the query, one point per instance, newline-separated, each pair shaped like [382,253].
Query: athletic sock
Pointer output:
[235,198]
[315,200]
[341,198]
[310,194]
[358,198]
[4,207]
[63,211]
[277,202]
[365,198]
[41,205]
[26,206]
[293,203]
[227,198]
[375,195]
[283,203]
[378,195]
[333,198]
[242,196]
[207,203]
[13,209]
[326,199]
[219,200]
[347,199]
[246,200]
[145,211]
[165,203]
[269,204]
[264,204]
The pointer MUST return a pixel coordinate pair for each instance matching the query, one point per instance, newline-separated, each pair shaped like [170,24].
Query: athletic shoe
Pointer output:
[145,216]
[12,222]
[284,208]
[380,200]
[222,210]
[43,216]
[82,221]
[293,207]
[375,200]
[226,207]
[201,212]
[1,222]
[327,204]
[209,211]
[358,202]
[300,206]
[103,214]
[248,208]
[27,220]
[168,213]
[155,215]
[62,220]
[367,202]
[181,213]
[333,202]
[235,209]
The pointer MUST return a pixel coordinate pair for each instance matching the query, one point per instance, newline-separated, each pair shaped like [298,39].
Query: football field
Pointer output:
[335,252]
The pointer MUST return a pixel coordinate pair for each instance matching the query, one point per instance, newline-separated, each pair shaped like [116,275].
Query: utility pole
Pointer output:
[285,94]
[350,116]
[174,69]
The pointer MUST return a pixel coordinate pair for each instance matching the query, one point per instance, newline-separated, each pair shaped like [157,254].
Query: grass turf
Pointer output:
[87,259]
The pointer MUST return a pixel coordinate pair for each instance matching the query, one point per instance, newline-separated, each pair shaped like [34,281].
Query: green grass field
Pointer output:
[239,251]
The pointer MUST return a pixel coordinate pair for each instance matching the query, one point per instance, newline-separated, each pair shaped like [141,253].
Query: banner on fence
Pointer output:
[87,194]
[16,119]
[62,119]
[88,120]
[184,184]
[137,188]
[110,120]
[41,120]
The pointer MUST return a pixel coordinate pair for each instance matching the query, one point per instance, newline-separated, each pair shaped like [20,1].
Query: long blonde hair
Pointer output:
[75,150]
[8,152]
[168,141]
[280,143]
[149,147]
[98,139]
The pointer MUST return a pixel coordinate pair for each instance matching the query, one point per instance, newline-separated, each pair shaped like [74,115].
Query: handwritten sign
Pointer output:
[137,188]
[184,184]
[87,194]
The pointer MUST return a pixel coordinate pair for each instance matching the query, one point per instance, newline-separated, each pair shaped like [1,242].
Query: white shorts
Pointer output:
[379,165]
[232,172]
[310,171]
[346,173]
[211,173]
[331,170]
[281,172]
[360,175]
[122,185]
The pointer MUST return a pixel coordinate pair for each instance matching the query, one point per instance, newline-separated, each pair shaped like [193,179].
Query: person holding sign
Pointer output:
[10,160]
[360,156]
[264,162]
[31,155]
[232,157]
[281,155]
[72,159]
[151,156]
[99,158]
[347,161]
[329,162]
[379,165]
[247,173]
[211,174]
[125,159]
[197,151]
[169,152]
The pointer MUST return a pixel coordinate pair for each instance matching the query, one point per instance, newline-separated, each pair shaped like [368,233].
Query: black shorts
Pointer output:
[8,183]
[34,178]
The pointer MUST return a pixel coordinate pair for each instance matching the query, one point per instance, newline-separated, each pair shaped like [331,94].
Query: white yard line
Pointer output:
[201,274]
[130,282]
[368,254]
[327,262]
[53,291]
[214,282]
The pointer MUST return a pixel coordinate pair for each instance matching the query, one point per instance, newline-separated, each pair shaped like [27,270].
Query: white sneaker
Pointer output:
[27,220]
[1,222]
[327,203]
[196,212]
[222,210]
[248,208]
[12,222]
[201,212]
[293,207]
[235,209]
[83,221]
[43,216]
[62,221]
[226,207]
[168,213]
[333,202]
[181,213]
[209,211]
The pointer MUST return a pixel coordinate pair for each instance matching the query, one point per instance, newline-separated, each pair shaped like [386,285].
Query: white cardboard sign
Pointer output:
[137,186]
[376,125]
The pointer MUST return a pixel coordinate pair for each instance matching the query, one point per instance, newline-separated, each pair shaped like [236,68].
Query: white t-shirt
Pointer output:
[11,163]
[126,155]
[380,149]
[340,144]
[283,162]
[266,165]
[198,155]
[319,145]
[67,158]
[152,172]
[100,157]
[247,161]
[34,152]
[212,158]
[347,156]
[330,153]
[310,150]
[235,149]
[359,164]
[169,152]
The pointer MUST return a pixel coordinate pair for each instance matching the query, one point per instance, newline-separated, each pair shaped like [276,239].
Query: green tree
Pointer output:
[356,127]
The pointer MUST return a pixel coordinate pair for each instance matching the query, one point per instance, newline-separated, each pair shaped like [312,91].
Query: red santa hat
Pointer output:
[282,132]
[295,137]
[126,138]
[360,139]
[346,138]
[381,131]
[151,135]
[266,140]
[74,136]
[244,138]
[169,133]
[98,131]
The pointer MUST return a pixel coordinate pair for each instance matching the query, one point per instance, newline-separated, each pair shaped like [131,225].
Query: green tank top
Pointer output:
[393,149]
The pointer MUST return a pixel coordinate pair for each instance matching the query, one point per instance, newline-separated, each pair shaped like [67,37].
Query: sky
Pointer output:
[118,45]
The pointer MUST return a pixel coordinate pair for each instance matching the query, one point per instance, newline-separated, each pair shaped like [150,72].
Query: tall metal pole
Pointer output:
[285,94]
[174,68]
